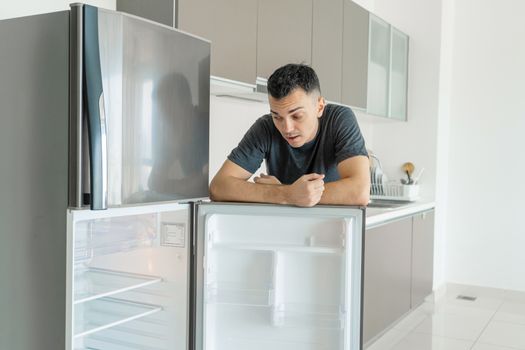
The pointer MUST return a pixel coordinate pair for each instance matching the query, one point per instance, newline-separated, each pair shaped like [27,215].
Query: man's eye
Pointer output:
[297,117]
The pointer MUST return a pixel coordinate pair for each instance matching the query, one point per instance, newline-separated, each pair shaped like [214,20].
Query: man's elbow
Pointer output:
[363,198]
[214,190]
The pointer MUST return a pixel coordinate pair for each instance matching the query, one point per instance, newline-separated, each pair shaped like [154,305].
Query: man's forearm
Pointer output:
[346,192]
[230,188]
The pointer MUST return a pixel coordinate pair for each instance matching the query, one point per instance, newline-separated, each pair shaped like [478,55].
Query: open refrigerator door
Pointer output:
[128,278]
[277,277]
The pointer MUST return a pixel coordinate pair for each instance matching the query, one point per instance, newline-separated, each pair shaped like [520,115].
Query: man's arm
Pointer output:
[354,186]
[230,184]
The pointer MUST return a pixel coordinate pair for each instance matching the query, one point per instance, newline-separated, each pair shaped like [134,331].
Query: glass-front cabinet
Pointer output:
[387,70]
[397,106]
[378,67]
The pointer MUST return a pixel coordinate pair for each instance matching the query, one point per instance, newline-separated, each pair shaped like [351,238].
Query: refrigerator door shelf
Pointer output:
[109,235]
[132,291]
[104,313]
[93,283]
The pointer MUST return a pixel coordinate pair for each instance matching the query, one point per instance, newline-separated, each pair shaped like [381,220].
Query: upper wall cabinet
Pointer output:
[378,67]
[387,70]
[231,26]
[361,60]
[327,51]
[162,11]
[284,34]
[355,55]
[397,107]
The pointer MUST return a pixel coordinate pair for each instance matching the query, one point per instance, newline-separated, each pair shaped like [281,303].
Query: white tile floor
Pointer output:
[494,321]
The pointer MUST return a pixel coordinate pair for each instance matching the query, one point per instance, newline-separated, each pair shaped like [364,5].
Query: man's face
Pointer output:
[296,116]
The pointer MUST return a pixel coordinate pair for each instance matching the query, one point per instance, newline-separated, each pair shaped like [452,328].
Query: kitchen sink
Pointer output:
[386,204]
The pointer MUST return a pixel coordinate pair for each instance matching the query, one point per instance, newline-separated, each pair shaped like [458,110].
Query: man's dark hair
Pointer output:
[291,76]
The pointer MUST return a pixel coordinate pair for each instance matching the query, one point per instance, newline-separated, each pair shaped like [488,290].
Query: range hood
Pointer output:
[222,87]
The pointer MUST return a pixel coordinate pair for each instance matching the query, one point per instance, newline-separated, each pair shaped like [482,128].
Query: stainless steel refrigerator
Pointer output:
[104,152]
[98,109]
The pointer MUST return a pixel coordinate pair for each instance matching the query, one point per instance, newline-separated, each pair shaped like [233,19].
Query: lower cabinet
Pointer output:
[422,256]
[398,270]
[387,275]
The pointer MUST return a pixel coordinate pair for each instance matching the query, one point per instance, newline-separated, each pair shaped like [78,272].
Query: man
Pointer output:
[314,152]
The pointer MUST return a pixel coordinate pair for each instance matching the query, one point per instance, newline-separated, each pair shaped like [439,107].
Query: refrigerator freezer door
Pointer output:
[128,278]
[278,277]
[155,107]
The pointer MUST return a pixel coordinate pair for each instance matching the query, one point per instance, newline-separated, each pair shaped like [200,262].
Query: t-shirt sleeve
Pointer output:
[349,141]
[253,148]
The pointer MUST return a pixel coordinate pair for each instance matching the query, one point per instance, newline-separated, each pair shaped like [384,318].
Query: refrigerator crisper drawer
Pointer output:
[128,278]
[280,280]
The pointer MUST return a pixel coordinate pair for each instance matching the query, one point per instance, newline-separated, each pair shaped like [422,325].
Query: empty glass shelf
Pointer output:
[233,293]
[92,283]
[104,313]
[280,247]
[307,315]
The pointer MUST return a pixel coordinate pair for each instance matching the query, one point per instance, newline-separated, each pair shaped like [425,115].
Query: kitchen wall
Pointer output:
[10,9]
[486,234]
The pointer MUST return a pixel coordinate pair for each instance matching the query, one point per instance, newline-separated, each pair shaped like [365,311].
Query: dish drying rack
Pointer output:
[391,190]
[381,188]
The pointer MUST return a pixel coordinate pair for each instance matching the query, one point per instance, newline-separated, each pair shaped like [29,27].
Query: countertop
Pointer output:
[377,216]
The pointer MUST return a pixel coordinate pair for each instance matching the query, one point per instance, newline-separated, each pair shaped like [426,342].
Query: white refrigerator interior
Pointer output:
[128,278]
[275,277]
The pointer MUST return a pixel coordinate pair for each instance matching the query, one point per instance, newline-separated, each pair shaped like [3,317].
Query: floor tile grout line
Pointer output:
[443,336]
[484,328]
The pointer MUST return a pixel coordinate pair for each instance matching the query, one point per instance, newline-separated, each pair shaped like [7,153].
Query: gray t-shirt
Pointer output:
[337,139]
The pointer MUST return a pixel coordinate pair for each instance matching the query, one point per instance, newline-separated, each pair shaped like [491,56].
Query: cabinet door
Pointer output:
[231,26]
[326,46]
[378,67]
[355,55]
[398,75]
[422,256]
[277,277]
[284,34]
[162,11]
[387,275]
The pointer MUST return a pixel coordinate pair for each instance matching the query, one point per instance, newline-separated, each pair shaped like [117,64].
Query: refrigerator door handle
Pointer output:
[96,112]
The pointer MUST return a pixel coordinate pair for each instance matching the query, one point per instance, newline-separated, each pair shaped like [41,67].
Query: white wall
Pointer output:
[416,140]
[486,235]
[10,9]
[398,142]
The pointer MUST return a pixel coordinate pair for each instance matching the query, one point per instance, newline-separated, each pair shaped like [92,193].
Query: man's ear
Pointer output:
[321,103]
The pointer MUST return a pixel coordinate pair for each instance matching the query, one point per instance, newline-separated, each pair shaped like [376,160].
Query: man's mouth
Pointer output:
[292,137]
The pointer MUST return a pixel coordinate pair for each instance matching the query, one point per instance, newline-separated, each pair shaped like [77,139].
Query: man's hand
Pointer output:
[306,191]
[266,180]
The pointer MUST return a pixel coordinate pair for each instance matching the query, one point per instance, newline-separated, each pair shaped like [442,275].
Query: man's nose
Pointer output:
[288,125]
